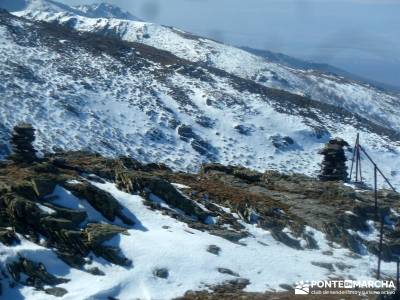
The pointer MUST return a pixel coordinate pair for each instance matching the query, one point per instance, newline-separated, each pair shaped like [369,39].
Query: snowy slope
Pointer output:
[361,98]
[42,5]
[167,243]
[117,98]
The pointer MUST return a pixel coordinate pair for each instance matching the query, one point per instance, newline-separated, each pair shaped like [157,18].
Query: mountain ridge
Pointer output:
[363,99]
[294,62]
[96,10]
[152,117]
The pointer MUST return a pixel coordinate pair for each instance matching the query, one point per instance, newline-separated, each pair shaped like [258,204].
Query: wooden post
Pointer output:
[357,159]
[376,191]
[358,165]
[378,273]
[359,162]
[354,156]
[398,277]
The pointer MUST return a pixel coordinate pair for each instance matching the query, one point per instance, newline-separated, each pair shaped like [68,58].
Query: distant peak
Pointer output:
[105,10]
[96,10]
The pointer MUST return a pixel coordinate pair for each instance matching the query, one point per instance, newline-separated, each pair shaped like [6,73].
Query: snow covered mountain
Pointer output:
[296,63]
[100,93]
[105,10]
[376,105]
[97,10]
[130,230]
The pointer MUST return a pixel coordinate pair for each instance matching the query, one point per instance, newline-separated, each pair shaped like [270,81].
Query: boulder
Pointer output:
[161,273]
[340,235]
[96,233]
[285,239]
[228,272]
[113,255]
[101,200]
[283,142]
[34,274]
[50,223]
[8,237]
[43,186]
[56,291]
[23,214]
[139,182]
[244,130]
[198,143]
[214,249]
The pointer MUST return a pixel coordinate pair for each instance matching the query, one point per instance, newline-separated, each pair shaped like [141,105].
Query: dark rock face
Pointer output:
[228,272]
[334,163]
[186,133]
[62,231]
[198,144]
[283,143]
[8,237]
[26,205]
[139,182]
[96,234]
[285,239]
[43,186]
[100,200]
[36,275]
[244,130]
[22,138]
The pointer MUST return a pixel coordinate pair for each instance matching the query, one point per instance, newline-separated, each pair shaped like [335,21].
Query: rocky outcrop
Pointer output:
[161,273]
[62,231]
[198,144]
[334,162]
[147,184]
[104,202]
[239,172]
[26,206]
[219,200]
[8,237]
[27,272]
[283,143]
[244,130]
[285,204]
[96,234]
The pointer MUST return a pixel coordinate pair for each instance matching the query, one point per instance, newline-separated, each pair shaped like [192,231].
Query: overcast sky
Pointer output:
[361,36]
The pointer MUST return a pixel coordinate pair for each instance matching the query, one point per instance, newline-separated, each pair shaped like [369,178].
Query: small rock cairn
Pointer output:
[334,163]
[22,138]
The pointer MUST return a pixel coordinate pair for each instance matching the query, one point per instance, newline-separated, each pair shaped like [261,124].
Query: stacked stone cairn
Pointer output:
[22,138]
[334,162]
